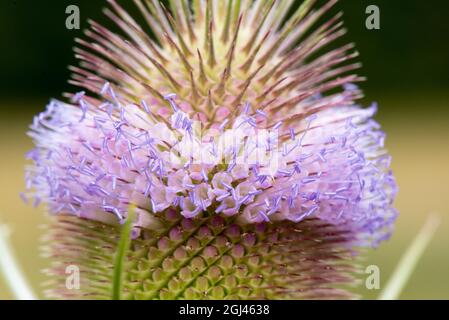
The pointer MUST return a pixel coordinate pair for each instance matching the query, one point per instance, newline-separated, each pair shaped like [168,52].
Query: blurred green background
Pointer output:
[407,65]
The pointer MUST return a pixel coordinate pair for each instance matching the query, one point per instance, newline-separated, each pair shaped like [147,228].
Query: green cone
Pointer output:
[206,258]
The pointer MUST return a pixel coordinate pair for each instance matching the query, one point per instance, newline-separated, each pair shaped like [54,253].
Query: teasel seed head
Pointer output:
[250,168]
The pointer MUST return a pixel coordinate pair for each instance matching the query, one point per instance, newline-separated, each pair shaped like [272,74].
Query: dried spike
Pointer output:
[255,10]
[290,102]
[181,55]
[86,56]
[268,103]
[245,86]
[203,76]
[291,24]
[124,25]
[121,44]
[317,68]
[231,50]
[236,13]
[228,69]
[286,64]
[156,51]
[195,93]
[247,48]
[109,72]
[155,27]
[177,15]
[279,15]
[188,20]
[246,66]
[322,36]
[211,48]
[83,84]
[264,79]
[338,71]
[166,74]
[178,32]
[322,88]
[305,115]
[209,37]
[225,32]
[329,38]
[340,54]
[289,86]
[134,81]
[207,24]
[199,14]
[296,55]
[210,101]
[221,88]
[299,15]
[154,92]
[308,22]
[146,42]
[123,14]
[264,94]
[320,81]
[159,17]
[83,72]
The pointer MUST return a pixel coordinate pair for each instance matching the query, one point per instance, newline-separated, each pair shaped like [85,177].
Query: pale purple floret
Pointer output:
[95,161]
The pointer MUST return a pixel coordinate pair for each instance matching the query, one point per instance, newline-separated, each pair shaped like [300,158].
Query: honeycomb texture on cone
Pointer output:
[205,258]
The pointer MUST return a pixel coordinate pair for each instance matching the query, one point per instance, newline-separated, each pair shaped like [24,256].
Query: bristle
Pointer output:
[210,103]
[203,77]
[290,25]
[185,62]
[195,93]
[230,58]
[279,15]
[164,72]
[231,52]
[270,89]
[178,12]
[207,258]
[174,24]
[251,58]
[188,20]
[250,35]
[226,25]
[221,88]
[151,21]
[158,13]
[236,14]
[198,6]
[209,36]
[153,91]
[244,87]
[247,48]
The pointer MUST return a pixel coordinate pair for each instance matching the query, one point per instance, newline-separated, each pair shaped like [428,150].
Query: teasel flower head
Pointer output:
[251,170]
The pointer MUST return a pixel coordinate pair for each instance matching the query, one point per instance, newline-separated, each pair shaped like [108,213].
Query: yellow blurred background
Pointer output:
[418,141]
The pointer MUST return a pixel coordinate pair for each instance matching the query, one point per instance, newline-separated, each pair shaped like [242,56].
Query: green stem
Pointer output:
[10,269]
[409,260]
[122,249]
